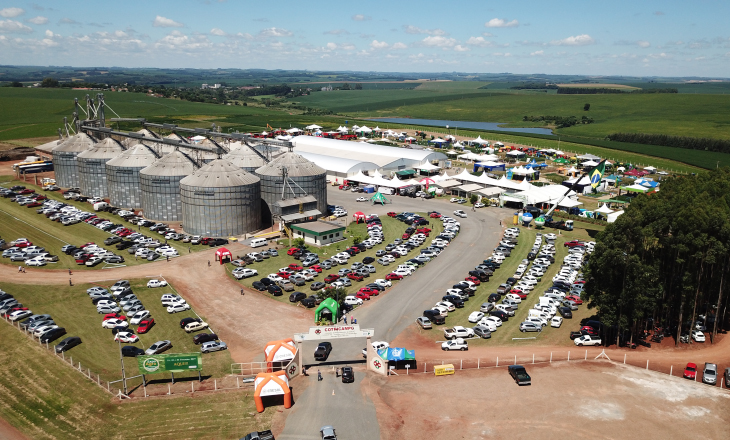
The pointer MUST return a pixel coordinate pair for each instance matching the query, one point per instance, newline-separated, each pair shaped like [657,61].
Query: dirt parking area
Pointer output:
[598,400]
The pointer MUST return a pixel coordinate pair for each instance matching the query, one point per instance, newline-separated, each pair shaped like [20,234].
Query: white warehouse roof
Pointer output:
[339,164]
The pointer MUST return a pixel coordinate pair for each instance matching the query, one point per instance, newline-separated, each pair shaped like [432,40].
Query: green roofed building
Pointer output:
[318,233]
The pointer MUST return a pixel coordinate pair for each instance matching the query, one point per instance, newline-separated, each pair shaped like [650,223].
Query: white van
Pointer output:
[537,313]
[100,205]
[545,301]
[258,242]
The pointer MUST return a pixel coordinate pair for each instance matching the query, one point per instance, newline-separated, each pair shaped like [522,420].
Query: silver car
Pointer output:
[709,374]
[211,346]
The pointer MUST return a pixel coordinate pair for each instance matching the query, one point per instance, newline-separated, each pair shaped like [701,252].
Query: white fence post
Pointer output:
[498,361]
[461,364]
[238,382]
[586,358]
[671,367]
[515,360]
[647,364]
[478,363]
[169,389]
[533,358]
[568,356]
[192,386]
[215,383]
[551,357]
[624,358]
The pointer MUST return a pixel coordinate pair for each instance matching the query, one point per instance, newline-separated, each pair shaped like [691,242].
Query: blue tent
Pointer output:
[534,164]
[397,354]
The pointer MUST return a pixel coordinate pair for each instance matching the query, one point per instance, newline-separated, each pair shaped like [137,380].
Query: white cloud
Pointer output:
[501,23]
[38,20]
[640,43]
[216,31]
[275,32]
[415,30]
[11,12]
[49,33]
[500,54]
[337,32]
[438,41]
[487,34]
[379,44]
[360,17]
[578,40]
[399,45]
[537,53]
[331,46]
[164,22]
[643,43]
[12,26]
[478,41]
[460,48]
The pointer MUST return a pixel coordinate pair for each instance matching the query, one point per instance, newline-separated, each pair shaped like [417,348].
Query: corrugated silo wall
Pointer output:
[161,197]
[66,169]
[221,211]
[125,190]
[271,191]
[92,177]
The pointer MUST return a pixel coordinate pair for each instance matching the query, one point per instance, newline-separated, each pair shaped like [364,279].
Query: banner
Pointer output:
[170,363]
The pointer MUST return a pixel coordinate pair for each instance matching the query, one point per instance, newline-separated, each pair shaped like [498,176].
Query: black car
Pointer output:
[322,352]
[67,344]
[309,302]
[565,312]
[112,240]
[99,298]
[204,337]
[266,281]
[511,281]
[368,260]
[124,245]
[499,314]
[297,296]
[115,259]
[71,250]
[455,300]
[377,287]
[317,286]
[348,375]
[574,335]
[275,290]
[131,351]
[494,297]
[217,242]
[258,285]
[186,321]
[52,335]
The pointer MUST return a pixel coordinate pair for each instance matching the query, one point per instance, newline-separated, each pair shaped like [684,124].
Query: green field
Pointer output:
[392,229]
[45,399]
[72,309]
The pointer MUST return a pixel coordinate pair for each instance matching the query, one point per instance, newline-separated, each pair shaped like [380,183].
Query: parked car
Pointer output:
[709,374]
[322,352]
[587,340]
[132,351]
[204,337]
[195,326]
[423,322]
[455,344]
[690,371]
[158,347]
[67,344]
[348,375]
[519,374]
[212,346]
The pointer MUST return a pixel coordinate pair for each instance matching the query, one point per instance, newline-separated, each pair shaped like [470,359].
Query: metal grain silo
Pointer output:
[92,167]
[64,159]
[220,199]
[304,178]
[122,175]
[244,157]
[161,186]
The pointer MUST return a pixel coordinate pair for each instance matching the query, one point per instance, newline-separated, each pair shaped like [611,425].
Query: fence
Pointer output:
[254,368]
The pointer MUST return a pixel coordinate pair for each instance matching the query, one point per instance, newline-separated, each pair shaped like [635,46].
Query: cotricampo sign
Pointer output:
[170,363]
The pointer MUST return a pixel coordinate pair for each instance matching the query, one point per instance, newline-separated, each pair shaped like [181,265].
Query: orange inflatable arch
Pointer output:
[271,384]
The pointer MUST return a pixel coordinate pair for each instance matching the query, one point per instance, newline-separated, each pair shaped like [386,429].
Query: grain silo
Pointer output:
[220,199]
[161,186]
[122,174]
[64,159]
[92,167]
[291,184]
[244,157]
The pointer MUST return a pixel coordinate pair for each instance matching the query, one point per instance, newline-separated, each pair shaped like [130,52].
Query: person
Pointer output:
[241,292]
[500,223]
[337,372]
[345,319]
[208,263]
[353,320]
[69,272]
[319,375]
[20,269]
[23,270]
[188,249]
[69,282]
[168,258]
[135,257]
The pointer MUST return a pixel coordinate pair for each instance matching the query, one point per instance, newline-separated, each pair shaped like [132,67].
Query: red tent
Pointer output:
[222,253]
[358,216]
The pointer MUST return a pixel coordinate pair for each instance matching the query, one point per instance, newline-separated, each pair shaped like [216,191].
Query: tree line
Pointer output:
[665,261]
[608,91]
[533,86]
[690,143]
[559,121]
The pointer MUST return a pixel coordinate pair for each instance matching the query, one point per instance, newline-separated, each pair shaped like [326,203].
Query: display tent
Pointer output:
[271,384]
[279,351]
[604,209]
[613,216]
[330,305]
[379,198]
[223,253]
[428,167]
[356,217]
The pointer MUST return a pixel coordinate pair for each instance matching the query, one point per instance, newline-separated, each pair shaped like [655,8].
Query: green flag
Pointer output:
[597,173]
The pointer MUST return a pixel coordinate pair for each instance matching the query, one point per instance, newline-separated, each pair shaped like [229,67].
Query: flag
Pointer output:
[597,173]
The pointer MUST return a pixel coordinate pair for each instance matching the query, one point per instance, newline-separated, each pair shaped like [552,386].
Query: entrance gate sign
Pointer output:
[334,332]
[170,363]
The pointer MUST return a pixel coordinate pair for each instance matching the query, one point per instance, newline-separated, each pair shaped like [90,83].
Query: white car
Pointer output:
[139,316]
[362,199]
[488,324]
[36,262]
[169,299]
[352,301]
[274,277]
[698,336]
[460,213]
[556,322]
[383,283]
[42,329]
[114,322]
[455,344]
[156,283]
[178,308]
[170,252]
[242,272]
[587,340]
[497,322]
[377,345]
[195,326]
[126,337]
[479,205]
[475,316]
[402,272]
[449,307]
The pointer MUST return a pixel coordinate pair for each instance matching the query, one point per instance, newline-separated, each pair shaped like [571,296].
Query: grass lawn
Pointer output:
[392,229]
[511,328]
[18,221]
[72,309]
[45,399]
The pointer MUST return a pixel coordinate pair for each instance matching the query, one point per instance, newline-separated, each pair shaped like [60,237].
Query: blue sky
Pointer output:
[658,38]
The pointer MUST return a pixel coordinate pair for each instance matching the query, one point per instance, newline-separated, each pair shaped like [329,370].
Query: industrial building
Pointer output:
[122,174]
[92,167]
[64,159]
[160,184]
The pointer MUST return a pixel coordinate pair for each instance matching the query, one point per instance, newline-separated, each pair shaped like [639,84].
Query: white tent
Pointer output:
[342,129]
[377,129]
[479,141]
[355,127]
[410,138]
[650,169]
[283,138]
[294,130]
[498,144]
[197,139]
[438,141]
[559,153]
[428,167]
[572,170]
[469,156]
[452,151]
[312,127]
[364,129]
[588,157]
[458,145]
[522,171]
[264,133]
[448,136]
[364,138]
[604,209]
[590,163]
[620,169]
[516,153]
[613,216]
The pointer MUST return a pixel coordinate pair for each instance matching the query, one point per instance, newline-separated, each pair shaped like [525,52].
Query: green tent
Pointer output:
[379,198]
[561,160]
[330,305]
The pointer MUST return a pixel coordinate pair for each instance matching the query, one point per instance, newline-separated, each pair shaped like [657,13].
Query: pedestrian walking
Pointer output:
[20,269]
[188,249]
[241,292]
[319,375]
[208,263]
[135,257]
[23,270]
[69,272]
[337,372]
[168,258]
[69,282]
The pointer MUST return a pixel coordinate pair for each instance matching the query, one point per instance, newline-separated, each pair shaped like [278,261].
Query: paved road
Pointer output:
[389,315]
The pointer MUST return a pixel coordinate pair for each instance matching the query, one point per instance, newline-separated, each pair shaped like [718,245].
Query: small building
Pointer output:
[319,233]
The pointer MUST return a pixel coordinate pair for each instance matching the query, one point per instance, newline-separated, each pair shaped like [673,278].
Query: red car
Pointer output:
[23,244]
[13,309]
[291,251]
[474,280]
[33,205]
[284,275]
[423,230]
[331,278]
[114,316]
[362,295]
[519,293]
[370,291]
[393,276]
[435,215]
[354,249]
[27,191]
[296,267]
[405,236]
[317,268]
[40,197]
[573,243]
[86,244]
[590,330]
[690,371]
[145,325]
[392,214]
[355,277]
[82,259]
[579,282]
[575,299]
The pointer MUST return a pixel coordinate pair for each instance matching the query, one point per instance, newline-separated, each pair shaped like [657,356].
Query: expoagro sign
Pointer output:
[170,363]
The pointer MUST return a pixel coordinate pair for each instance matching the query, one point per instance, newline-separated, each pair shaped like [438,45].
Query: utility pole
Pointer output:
[121,359]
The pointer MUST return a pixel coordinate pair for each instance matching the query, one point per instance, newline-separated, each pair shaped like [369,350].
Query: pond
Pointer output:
[494,126]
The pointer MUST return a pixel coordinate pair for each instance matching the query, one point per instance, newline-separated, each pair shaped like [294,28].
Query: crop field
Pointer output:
[72,309]
[510,329]
[46,399]
[18,221]
[392,229]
